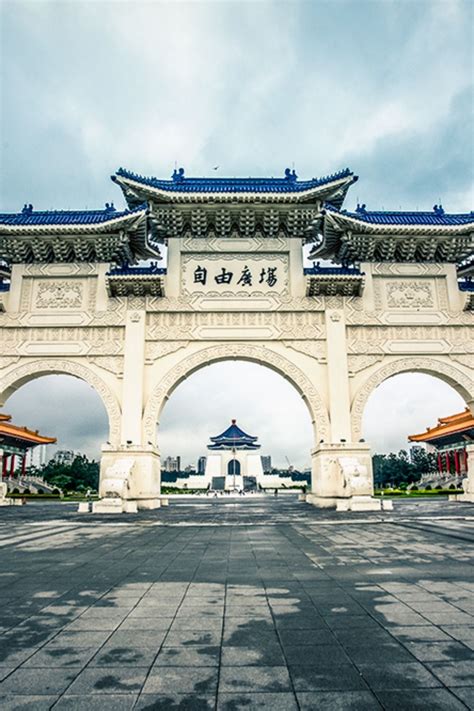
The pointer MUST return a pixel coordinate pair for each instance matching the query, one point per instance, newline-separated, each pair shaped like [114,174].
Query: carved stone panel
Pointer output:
[208,325]
[56,295]
[409,294]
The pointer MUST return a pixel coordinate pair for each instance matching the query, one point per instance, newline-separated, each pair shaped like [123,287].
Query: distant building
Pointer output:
[36,457]
[266,463]
[64,456]
[172,464]
[201,465]
[449,439]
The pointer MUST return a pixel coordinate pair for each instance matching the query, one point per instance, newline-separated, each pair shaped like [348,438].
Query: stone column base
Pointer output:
[359,503]
[341,471]
[11,502]
[148,504]
[114,506]
[466,498]
[350,503]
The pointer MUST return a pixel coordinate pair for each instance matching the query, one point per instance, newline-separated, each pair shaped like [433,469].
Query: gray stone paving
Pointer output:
[237,604]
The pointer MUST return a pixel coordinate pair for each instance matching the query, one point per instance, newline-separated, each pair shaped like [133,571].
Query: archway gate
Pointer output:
[397,297]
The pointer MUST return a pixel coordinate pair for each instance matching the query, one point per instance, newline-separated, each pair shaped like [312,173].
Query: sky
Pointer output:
[253,87]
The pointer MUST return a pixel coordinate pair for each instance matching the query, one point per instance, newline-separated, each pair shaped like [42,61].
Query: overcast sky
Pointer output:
[382,87]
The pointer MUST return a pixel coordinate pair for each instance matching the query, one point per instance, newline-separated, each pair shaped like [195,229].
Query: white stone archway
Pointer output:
[24,373]
[458,378]
[235,351]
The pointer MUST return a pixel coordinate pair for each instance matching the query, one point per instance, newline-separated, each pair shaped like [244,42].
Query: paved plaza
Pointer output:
[254,603]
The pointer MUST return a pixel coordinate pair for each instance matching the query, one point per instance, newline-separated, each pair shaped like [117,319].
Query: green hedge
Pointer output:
[389,493]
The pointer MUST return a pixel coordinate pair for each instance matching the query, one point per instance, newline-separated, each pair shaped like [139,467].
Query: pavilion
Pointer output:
[15,442]
[449,438]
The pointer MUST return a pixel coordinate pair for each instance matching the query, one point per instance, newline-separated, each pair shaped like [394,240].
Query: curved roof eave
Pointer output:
[336,189]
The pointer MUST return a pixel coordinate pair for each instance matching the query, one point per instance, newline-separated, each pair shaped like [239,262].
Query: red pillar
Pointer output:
[447,462]
[4,465]
[12,466]
[23,465]
[456,462]
[440,463]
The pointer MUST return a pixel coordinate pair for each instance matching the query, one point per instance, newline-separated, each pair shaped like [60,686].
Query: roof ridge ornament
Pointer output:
[291,175]
[110,207]
[438,209]
[361,209]
[27,209]
[178,175]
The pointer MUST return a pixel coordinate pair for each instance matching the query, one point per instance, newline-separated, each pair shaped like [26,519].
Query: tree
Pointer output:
[79,475]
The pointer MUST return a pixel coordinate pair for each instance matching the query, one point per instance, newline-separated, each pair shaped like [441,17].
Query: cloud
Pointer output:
[404,405]
[384,87]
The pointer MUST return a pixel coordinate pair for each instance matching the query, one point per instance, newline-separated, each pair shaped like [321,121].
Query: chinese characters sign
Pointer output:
[235,275]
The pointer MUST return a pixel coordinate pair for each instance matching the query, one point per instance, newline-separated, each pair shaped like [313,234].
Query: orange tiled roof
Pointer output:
[452,424]
[21,433]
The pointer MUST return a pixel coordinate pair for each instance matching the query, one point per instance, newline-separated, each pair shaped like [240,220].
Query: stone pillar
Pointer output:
[341,469]
[133,375]
[338,376]
[130,473]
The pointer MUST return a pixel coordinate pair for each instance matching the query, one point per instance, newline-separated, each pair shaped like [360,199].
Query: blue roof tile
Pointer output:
[436,217]
[30,218]
[180,184]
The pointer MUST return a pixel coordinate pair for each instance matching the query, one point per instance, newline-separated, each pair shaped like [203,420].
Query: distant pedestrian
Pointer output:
[276,492]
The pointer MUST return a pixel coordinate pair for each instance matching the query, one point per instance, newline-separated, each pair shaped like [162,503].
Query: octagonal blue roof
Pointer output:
[234,437]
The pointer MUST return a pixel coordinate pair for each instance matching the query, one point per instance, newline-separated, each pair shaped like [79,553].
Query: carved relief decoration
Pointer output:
[454,376]
[282,302]
[155,350]
[66,294]
[356,363]
[377,339]
[6,361]
[315,349]
[16,377]
[114,364]
[409,294]
[258,354]
[180,326]
[102,341]
[60,269]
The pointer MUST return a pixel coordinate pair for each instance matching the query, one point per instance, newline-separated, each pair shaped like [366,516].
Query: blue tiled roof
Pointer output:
[332,271]
[233,437]
[180,184]
[466,284]
[29,217]
[127,270]
[436,217]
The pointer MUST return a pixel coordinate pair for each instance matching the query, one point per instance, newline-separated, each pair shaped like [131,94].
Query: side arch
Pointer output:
[22,374]
[454,376]
[235,351]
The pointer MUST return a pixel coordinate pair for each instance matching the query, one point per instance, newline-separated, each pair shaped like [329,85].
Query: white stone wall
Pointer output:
[335,350]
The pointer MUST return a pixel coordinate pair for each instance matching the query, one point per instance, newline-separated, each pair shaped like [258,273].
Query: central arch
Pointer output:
[235,351]
[438,368]
[21,375]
